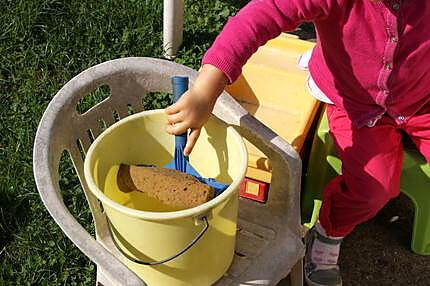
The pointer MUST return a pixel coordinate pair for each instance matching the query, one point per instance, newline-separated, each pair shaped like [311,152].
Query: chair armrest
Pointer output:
[284,195]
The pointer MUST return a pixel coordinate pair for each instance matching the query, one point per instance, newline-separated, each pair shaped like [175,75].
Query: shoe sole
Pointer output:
[311,283]
[307,280]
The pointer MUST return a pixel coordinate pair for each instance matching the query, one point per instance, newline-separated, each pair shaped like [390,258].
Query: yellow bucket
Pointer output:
[187,247]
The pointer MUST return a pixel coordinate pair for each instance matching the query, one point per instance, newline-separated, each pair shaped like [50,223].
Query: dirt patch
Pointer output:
[378,252]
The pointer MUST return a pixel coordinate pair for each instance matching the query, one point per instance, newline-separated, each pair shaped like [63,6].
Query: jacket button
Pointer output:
[388,66]
[395,6]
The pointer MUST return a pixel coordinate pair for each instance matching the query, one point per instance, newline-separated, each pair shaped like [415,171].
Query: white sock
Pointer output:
[324,253]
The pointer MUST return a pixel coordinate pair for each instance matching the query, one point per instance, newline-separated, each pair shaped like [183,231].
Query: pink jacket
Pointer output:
[370,58]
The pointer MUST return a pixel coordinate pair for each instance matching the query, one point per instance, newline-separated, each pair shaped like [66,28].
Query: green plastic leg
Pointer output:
[315,213]
[319,173]
[421,233]
[415,183]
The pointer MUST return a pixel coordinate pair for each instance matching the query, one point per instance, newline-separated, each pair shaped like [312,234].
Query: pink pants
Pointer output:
[371,166]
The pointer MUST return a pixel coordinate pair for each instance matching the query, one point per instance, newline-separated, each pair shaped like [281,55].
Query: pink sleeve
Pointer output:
[255,24]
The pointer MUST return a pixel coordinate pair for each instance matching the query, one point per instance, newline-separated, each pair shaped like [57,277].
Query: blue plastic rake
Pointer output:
[180,162]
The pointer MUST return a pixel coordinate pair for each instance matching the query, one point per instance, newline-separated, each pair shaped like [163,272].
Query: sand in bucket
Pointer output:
[163,189]
[150,231]
[134,199]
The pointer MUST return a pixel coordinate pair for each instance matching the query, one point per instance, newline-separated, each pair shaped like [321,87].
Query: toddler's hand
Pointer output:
[194,107]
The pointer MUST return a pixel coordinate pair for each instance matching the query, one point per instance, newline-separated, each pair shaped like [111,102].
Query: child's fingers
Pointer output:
[172,109]
[174,118]
[177,129]
[177,106]
[192,139]
[170,129]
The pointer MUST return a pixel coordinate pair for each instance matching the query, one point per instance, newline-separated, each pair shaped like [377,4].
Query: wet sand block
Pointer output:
[171,187]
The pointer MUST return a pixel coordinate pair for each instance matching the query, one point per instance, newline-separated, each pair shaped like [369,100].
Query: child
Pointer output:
[370,66]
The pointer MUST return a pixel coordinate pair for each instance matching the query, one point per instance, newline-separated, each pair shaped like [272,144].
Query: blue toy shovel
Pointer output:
[180,162]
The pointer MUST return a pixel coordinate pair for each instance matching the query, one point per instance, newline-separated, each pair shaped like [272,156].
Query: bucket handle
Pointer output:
[197,238]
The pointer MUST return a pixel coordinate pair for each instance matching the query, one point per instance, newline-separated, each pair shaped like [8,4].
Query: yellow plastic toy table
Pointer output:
[273,88]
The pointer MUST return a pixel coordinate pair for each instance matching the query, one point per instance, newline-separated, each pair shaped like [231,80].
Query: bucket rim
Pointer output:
[157,216]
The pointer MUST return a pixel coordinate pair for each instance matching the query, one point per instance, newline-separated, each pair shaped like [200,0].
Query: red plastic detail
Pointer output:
[263,190]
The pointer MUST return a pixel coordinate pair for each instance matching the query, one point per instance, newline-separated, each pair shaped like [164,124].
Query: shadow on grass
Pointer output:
[197,39]
[13,213]
[236,3]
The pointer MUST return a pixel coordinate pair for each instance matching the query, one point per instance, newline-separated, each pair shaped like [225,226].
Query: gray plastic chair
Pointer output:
[269,245]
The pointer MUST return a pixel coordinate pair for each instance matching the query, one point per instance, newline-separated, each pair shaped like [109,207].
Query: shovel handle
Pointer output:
[179,87]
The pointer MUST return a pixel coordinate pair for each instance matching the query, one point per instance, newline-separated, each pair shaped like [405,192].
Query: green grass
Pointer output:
[43,44]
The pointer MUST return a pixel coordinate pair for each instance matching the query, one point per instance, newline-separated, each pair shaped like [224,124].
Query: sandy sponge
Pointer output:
[171,187]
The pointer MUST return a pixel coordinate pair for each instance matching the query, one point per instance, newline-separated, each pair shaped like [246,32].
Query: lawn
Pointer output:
[43,44]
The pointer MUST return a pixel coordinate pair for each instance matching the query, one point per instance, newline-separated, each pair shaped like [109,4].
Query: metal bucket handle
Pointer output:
[188,246]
